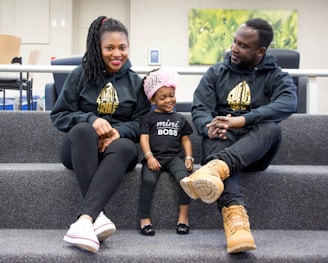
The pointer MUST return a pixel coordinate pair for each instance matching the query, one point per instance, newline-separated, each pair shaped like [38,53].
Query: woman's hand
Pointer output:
[107,134]
[105,141]
[102,127]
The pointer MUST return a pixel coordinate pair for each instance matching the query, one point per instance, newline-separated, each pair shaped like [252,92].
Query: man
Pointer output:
[236,109]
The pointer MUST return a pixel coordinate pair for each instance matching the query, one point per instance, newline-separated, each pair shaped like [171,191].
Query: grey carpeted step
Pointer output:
[46,196]
[166,246]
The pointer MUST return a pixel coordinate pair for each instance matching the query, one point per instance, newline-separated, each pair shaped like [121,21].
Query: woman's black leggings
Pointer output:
[98,174]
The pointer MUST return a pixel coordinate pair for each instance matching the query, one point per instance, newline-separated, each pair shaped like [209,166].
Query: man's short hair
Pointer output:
[264,30]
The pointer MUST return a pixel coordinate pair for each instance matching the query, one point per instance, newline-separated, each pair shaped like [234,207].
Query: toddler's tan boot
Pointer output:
[206,183]
[237,229]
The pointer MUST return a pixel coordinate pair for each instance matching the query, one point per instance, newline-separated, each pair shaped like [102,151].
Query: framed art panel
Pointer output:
[154,57]
[211,31]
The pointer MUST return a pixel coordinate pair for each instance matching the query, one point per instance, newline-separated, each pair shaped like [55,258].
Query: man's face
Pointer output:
[245,51]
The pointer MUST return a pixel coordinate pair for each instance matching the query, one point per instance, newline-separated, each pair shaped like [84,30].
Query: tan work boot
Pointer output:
[206,183]
[237,229]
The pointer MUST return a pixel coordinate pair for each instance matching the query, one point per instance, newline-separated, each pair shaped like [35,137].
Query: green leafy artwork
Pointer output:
[211,31]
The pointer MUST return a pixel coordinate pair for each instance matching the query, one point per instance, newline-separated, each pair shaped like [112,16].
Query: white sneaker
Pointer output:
[103,227]
[82,235]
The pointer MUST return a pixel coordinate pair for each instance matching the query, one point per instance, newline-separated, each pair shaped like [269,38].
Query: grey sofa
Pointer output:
[287,203]
[286,58]
[52,90]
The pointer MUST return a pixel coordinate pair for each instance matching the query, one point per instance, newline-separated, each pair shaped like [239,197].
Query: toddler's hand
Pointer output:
[153,164]
[189,165]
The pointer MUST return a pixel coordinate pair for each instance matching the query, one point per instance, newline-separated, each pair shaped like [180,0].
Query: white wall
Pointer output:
[157,24]
[26,18]
[164,24]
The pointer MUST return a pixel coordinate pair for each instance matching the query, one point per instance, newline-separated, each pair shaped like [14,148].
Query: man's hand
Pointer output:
[219,126]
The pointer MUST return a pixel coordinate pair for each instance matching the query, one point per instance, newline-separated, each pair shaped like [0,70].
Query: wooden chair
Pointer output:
[25,81]
[9,54]
[10,46]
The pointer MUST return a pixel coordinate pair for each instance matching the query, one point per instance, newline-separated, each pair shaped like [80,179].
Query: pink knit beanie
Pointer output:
[158,79]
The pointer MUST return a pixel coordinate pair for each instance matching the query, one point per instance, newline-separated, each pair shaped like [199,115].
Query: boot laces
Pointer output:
[215,169]
[236,218]
[212,169]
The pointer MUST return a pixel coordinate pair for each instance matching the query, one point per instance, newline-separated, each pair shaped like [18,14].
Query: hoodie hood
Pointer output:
[119,74]
[267,62]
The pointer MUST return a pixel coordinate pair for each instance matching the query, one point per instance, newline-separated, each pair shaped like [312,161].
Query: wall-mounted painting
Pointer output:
[211,31]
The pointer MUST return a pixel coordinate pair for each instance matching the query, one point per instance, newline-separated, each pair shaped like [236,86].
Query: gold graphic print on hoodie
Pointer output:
[107,100]
[239,97]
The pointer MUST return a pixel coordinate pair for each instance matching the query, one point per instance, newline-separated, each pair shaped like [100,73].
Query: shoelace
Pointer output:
[212,169]
[236,219]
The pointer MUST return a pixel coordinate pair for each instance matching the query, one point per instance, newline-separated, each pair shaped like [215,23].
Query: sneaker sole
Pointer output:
[104,232]
[208,189]
[241,248]
[83,243]
[187,186]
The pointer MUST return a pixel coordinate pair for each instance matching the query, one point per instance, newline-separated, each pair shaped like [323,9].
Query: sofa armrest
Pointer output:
[301,94]
[50,96]
[183,106]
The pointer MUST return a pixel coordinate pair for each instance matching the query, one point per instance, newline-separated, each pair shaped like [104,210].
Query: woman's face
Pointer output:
[114,50]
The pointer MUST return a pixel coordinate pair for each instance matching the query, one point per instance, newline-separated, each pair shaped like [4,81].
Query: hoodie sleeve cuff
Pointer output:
[92,119]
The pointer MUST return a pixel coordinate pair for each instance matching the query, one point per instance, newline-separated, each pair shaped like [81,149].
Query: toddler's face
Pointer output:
[164,99]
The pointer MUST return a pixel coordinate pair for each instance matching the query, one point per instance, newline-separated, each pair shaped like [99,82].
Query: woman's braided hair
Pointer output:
[93,64]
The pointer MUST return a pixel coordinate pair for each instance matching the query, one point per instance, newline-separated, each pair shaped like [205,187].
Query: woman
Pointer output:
[100,109]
